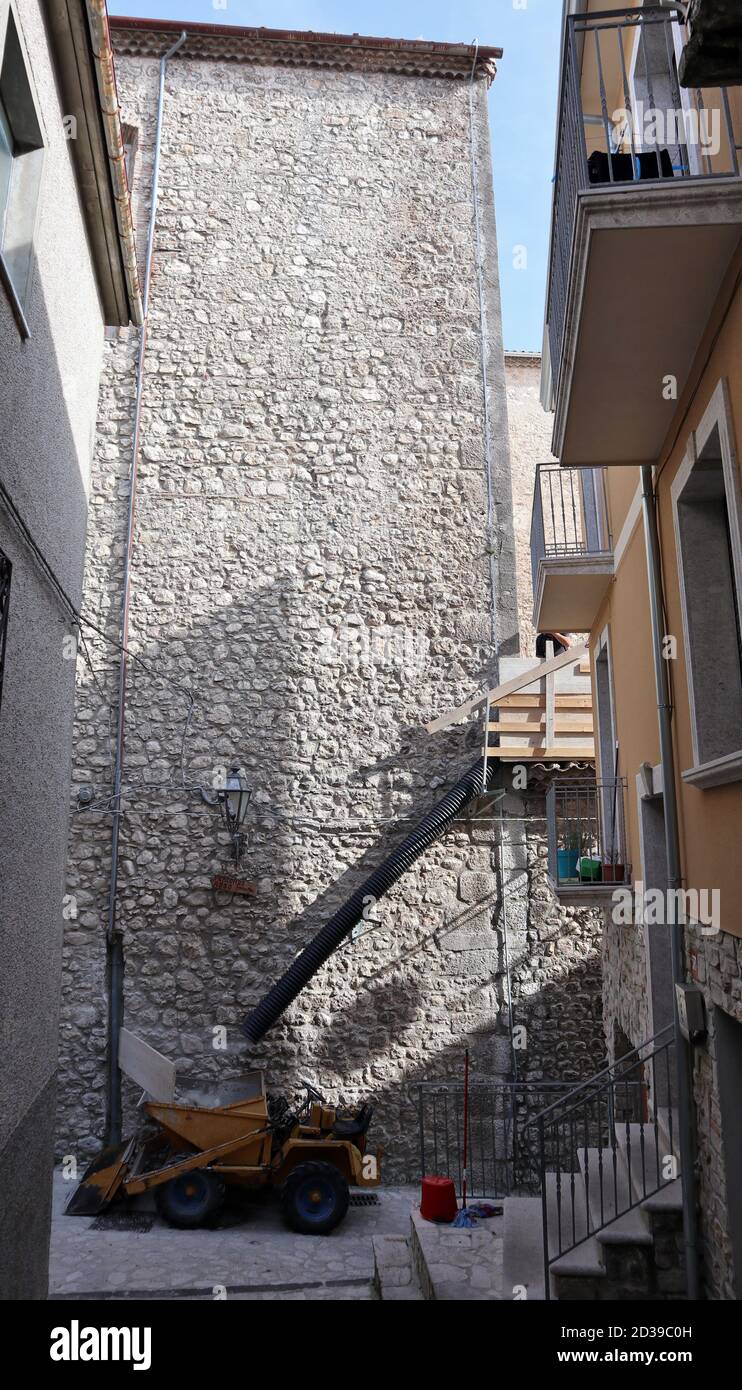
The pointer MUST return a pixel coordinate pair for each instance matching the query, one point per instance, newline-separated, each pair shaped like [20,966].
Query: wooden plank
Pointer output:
[534,673]
[512,726]
[527,726]
[565,752]
[521,702]
[550,712]
[539,702]
[153,1072]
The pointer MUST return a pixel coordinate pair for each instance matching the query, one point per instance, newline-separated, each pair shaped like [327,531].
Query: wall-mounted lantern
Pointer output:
[235,799]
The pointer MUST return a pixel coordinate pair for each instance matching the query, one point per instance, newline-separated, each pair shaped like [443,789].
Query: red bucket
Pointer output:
[438,1200]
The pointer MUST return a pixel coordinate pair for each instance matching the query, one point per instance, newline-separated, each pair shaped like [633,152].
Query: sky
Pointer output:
[522,105]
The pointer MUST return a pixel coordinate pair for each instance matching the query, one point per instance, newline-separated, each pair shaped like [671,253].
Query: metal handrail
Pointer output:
[588,1195]
[665,1033]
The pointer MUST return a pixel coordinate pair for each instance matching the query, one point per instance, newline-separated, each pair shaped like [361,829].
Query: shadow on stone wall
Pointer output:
[396,1007]
[193,967]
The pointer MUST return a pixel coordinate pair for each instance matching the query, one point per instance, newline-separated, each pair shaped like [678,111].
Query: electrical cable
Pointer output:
[76,615]
[80,621]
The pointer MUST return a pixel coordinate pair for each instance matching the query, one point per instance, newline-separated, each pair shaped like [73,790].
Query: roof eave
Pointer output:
[80,43]
[304,48]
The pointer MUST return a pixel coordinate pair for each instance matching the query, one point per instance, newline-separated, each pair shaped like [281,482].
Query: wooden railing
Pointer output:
[549,719]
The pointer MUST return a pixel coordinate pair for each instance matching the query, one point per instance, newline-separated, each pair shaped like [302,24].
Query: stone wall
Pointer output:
[315,548]
[715,964]
[624,974]
[530,444]
[553,951]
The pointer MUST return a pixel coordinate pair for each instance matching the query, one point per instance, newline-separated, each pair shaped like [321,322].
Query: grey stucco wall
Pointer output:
[46,437]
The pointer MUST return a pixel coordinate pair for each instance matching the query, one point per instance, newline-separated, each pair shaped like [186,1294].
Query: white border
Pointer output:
[718,415]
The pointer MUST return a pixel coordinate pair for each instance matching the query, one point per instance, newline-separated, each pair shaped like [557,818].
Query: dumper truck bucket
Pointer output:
[101,1181]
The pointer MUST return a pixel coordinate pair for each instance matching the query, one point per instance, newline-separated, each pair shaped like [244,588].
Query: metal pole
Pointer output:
[114,938]
[466,1128]
[544,1209]
[686,1115]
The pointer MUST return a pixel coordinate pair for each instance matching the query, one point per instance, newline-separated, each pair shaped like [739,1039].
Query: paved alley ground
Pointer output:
[259,1258]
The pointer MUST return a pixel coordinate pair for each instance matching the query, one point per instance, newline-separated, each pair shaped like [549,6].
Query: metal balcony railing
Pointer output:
[586,832]
[645,127]
[503,1155]
[569,515]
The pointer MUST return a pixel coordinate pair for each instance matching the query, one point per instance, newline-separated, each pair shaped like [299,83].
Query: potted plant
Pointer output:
[590,870]
[568,857]
[613,869]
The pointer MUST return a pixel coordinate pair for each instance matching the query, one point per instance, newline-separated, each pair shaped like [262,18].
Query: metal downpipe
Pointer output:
[114,937]
[683,1056]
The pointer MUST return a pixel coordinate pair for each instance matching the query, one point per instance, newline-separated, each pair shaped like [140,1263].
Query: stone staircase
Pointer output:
[439,1262]
[635,1255]
[395,1274]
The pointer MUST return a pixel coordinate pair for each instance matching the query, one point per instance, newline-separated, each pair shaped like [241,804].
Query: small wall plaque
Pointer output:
[230,883]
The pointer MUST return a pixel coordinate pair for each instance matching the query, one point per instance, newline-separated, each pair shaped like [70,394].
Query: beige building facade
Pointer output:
[644,325]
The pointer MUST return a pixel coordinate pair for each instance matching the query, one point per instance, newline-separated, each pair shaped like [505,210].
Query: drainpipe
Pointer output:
[114,935]
[683,1055]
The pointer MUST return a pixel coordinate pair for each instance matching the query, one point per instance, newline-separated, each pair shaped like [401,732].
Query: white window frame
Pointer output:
[28,171]
[603,645]
[727,768]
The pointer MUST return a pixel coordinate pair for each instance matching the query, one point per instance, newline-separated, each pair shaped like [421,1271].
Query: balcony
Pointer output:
[646,219]
[586,834]
[571,548]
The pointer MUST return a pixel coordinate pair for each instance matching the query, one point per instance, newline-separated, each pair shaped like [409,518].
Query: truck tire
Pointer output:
[190,1200]
[314,1199]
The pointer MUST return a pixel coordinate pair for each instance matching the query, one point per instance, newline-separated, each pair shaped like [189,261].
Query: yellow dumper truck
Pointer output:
[188,1155]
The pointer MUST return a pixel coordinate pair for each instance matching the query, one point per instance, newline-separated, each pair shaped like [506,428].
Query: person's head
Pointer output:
[543,638]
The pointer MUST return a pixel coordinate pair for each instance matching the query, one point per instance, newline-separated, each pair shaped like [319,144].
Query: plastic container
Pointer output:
[438,1200]
[566,865]
[590,870]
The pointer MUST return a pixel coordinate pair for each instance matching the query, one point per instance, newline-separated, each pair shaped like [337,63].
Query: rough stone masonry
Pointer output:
[324,557]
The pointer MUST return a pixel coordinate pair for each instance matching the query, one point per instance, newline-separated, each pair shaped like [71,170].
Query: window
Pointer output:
[706,506]
[6,164]
[21,154]
[657,943]
[606,719]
